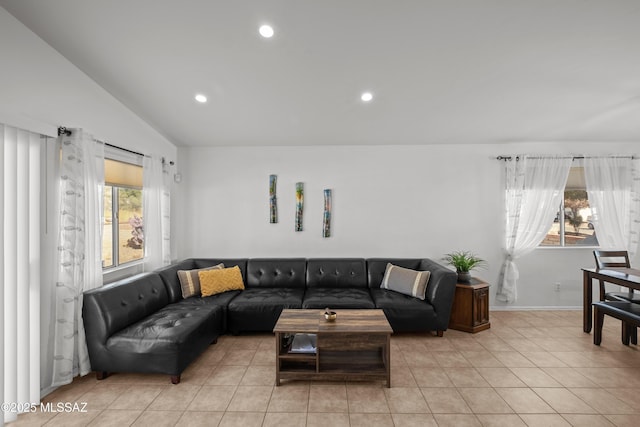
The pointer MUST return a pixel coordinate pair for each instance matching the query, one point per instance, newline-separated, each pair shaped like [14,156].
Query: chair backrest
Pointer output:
[606,259]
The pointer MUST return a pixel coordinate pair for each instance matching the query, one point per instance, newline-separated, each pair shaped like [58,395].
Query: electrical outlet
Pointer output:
[557,286]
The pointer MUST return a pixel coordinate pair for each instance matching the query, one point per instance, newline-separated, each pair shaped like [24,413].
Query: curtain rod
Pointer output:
[509,158]
[123,149]
[63,130]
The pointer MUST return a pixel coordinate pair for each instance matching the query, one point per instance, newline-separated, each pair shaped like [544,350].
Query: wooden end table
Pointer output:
[356,346]
[470,312]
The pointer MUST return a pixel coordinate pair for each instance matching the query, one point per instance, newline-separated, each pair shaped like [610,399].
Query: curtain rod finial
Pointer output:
[63,131]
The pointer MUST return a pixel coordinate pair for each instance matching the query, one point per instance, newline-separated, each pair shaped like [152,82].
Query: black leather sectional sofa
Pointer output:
[142,324]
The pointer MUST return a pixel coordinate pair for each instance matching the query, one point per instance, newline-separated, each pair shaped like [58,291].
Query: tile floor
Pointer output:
[533,368]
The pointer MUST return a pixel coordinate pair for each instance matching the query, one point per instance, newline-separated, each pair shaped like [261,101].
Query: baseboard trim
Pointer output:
[534,308]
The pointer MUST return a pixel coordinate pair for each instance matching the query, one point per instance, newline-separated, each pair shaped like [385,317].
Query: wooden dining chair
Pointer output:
[613,259]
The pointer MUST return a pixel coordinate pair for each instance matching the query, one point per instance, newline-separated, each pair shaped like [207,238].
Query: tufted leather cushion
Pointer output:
[258,309]
[337,298]
[336,273]
[441,287]
[258,298]
[404,312]
[228,262]
[220,300]
[169,275]
[167,330]
[276,273]
[120,304]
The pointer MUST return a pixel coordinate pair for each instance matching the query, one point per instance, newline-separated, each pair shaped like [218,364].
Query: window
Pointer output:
[123,234]
[572,225]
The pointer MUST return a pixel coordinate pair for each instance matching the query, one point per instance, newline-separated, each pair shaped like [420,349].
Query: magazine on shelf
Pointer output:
[303,343]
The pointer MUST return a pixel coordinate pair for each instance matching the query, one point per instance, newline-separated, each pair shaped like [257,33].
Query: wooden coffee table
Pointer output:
[356,346]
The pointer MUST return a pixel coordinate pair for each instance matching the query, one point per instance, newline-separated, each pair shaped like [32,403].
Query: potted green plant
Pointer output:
[464,262]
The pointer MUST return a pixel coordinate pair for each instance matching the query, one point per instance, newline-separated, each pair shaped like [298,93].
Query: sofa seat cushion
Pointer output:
[258,309]
[221,300]
[337,298]
[170,330]
[404,312]
[263,298]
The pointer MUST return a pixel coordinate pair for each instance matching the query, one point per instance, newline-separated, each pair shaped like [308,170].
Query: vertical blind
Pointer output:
[20,216]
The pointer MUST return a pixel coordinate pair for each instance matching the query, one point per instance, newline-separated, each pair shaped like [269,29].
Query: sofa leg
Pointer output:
[175,379]
[100,375]
[440,333]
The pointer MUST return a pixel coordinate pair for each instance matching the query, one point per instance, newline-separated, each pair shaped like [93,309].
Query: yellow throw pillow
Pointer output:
[220,280]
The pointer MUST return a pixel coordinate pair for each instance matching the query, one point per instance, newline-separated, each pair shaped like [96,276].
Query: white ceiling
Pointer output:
[454,71]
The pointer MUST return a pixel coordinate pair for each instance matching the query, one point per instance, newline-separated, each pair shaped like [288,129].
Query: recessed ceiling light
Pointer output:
[366,96]
[266,31]
[201,98]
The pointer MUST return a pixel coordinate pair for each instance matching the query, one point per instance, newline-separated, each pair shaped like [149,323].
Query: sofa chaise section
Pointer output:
[131,326]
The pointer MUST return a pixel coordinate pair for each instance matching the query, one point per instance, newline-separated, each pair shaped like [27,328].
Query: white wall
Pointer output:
[40,90]
[407,201]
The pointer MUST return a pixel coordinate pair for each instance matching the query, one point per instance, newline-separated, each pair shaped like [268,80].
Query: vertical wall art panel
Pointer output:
[299,204]
[273,201]
[326,218]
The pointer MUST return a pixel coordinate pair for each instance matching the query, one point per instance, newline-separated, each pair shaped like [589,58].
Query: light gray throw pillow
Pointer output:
[406,281]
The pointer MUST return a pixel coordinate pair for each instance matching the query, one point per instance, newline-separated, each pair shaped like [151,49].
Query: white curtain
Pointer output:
[533,191]
[156,213]
[79,256]
[20,216]
[612,186]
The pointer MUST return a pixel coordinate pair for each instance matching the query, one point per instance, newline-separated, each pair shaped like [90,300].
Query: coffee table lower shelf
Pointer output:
[334,365]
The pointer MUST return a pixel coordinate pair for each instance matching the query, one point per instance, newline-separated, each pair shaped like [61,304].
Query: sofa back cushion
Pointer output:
[117,305]
[442,283]
[377,266]
[169,276]
[336,273]
[276,273]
